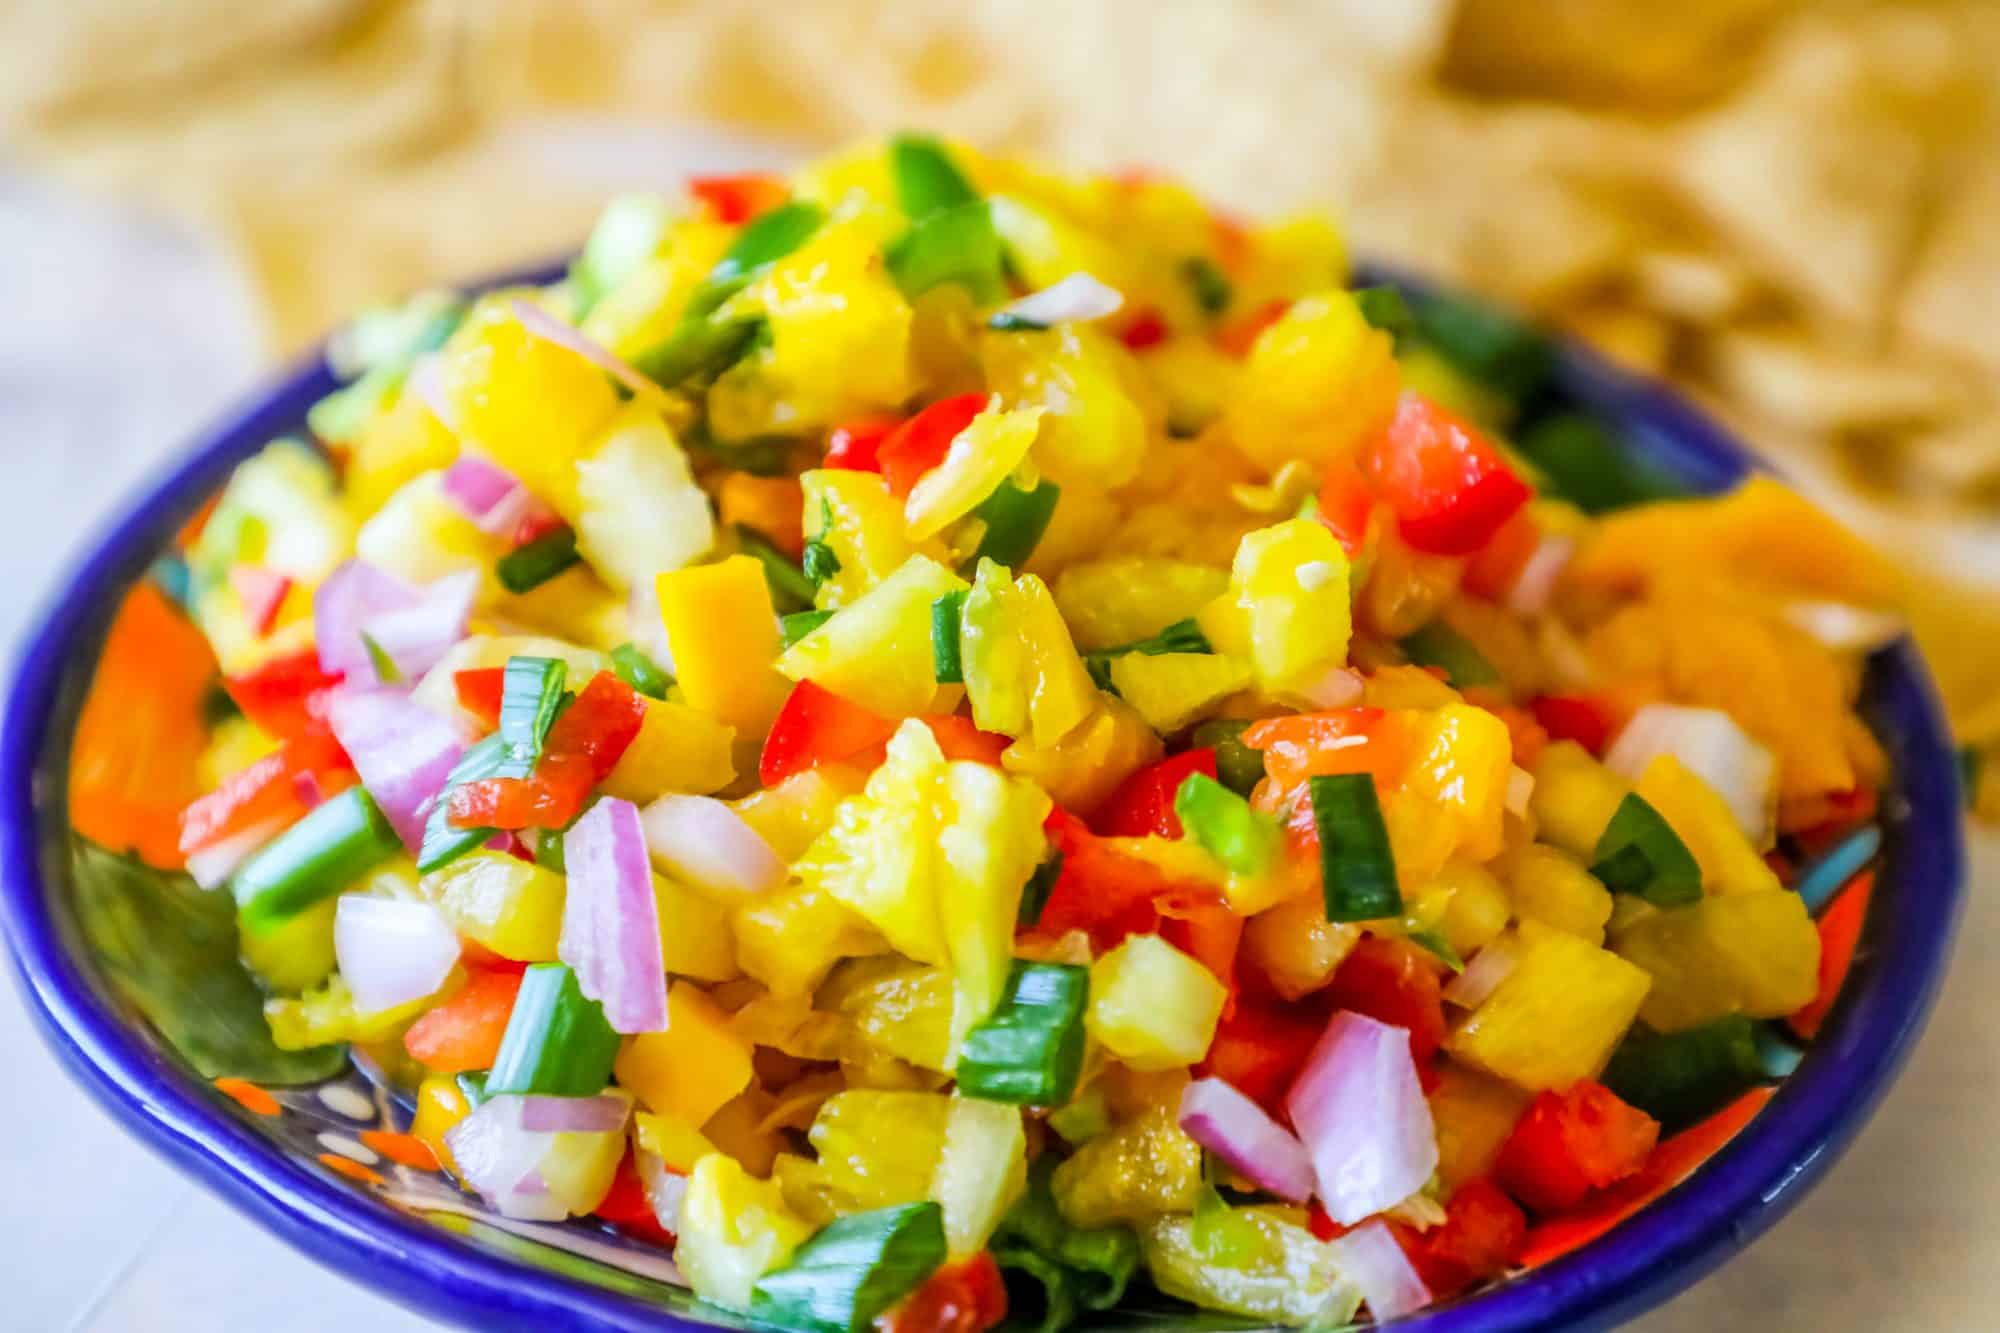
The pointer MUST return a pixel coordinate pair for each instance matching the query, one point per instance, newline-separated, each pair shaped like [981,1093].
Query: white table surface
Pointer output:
[122,337]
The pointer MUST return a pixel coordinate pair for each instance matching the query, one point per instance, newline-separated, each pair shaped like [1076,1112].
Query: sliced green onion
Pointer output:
[628,233]
[1356,863]
[444,842]
[1240,767]
[1211,286]
[1487,344]
[528,567]
[1679,1078]
[791,587]
[530,697]
[801,623]
[1640,853]
[1433,941]
[1586,465]
[344,413]
[636,668]
[695,349]
[764,240]
[1015,521]
[927,181]
[1030,1050]
[1223,824]
[1183,636]
[759,455]
[340,840]
[386,670]
[1385,309]
[1035,893]
[558,1043]
[1066,1268]
[946,614]
[854,1269]
[1439,645]
[956,244]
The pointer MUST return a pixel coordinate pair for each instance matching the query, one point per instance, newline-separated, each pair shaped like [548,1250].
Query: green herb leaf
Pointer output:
[637,669]
[340,840]
[1584,464]
[170,950]
[1485,343]
[1015,521]
[819,563]
[526,568]
[801,623]
[558,1042]
[1439,645]
[1211,286]
[1640,853]
[1029,1051]
[1240,767]
[946,614]
[1035,893]
[854,1269]
[1357,865]
[1223,824]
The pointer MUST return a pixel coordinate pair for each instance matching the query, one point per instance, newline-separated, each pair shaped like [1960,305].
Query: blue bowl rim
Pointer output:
[1739,1193]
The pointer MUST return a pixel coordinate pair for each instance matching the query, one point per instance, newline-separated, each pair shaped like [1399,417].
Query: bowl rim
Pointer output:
[1732,1198]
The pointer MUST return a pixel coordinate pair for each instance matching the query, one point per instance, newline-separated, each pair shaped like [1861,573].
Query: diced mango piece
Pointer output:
[1022,672]
[1558,1015]
[678,749]
[691,1069]
[501,902]
[853,515]
[790,940]
[1740,953]
[981,1171]
[395,446]
[1170,690]
[1317,382]
[1133,1172]
[1085,766]
[980,457]
[1460,760]
[876,650]
[672,1139]
[1287,608]
[1151,1005]
[1574,798]
[1108,603]
[723,633]
[1473,1114]
[988,849]
[1551,886]
[695,939]
[1729,864]
[733,1229]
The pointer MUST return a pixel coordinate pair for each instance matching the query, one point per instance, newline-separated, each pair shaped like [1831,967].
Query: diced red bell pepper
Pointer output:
[964,1297]
[286,695]
[550,799]
[599,725]
[1839,933]
[855,446]
[1480,1238]
[1346,505]
[480,692]
[737,199]
[1146,329]
[817,726]
[1449,486]
[262,592]
[1494,567]
[920,444]
[283,785]
[1322,1226]
[1098,891]
[1583,718]
[1393,981]
[1570,1143]
[960,738]
[1239,335]
[1261,1046]
[464,1032]
[626,1207]
[1144,802]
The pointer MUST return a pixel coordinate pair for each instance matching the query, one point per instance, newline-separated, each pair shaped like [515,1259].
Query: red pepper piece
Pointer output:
[1260,1048]
[626,1207]
[480,691]
[1839,933]
[1144,802]
[966,1297]
[1480,1238]
[599,725]
[920,444]
[464,1032]
[1203,927]
[286,695]
[1570,1143]
[1582,718]
[1346,505]
[1494,567]
[737,199]
[1392,981]
[550,799]
[817,726]
[960,738]
[855,446]
[283,785]
[1239,335]
[1449,486]
[1147,329]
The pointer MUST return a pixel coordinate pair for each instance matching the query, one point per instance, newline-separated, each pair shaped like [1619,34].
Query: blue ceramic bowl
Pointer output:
[465,1269]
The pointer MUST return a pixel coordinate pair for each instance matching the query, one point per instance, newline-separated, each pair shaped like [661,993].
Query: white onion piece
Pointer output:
[664,1189]
[547,327]
[1075,298]
[402,750]
[501,1159]
[1483,974]
[1520,790]
[1237,1130]
[1370,1258]
[1535,586]
[603,1114]
[707,846]
[1360,1110]
[1846,628]
[611,920]
[1714,748]
[1340,687]
[391,951]
[212,866]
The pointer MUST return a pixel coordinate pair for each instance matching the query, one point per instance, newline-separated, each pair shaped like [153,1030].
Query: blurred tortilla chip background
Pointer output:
[1793,209]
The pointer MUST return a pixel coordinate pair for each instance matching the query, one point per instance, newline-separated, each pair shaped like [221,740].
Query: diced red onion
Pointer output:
[1535,586]
[402,750]
[417,637]
[1714,748]
[611,920]
[706,845]
[1075,298]
[1483,974]
[391,951]
[426,381]
[212,866]
[1843,627]
[1361,1113]
[1237,1130]
[1520,790]
[604,1114]
[664,1189]
[501,1159]
[351,597]
[546,326]
[1370,1258]
[1338,688]
[475,485]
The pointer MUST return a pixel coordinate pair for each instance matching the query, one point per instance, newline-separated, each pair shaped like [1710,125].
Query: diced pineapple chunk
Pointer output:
[723,633]
[441,1105]
[1729,864]
[1152,1006]
[693,1067]
[1558,1015]
[1574,798]
[1022,672]
[1317,382]
[1295,946]
[876,650]
[901,1009]
[639,512]
[733,1229]
[878,1149]
[1084,767]
[1095,427]
[1108,603]
[792,814]
[295,954]
[677,750]
[1170,690]
[1554,888]
[879,858]
[395,446]
[695,939]
[1287,610]
[1473,1114]
[981,1171]
[1466,903]
[980,457]
[790,940]
[853,515]
[1740,953]
[578,1169]
[420,536]
[672,1139]
[500,902]
[988,849]
[1133,1172]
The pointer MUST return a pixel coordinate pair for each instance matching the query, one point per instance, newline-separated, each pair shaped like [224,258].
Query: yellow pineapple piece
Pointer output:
[1558,1015]
[1317,382]
[1740,953]
[1151,1005]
